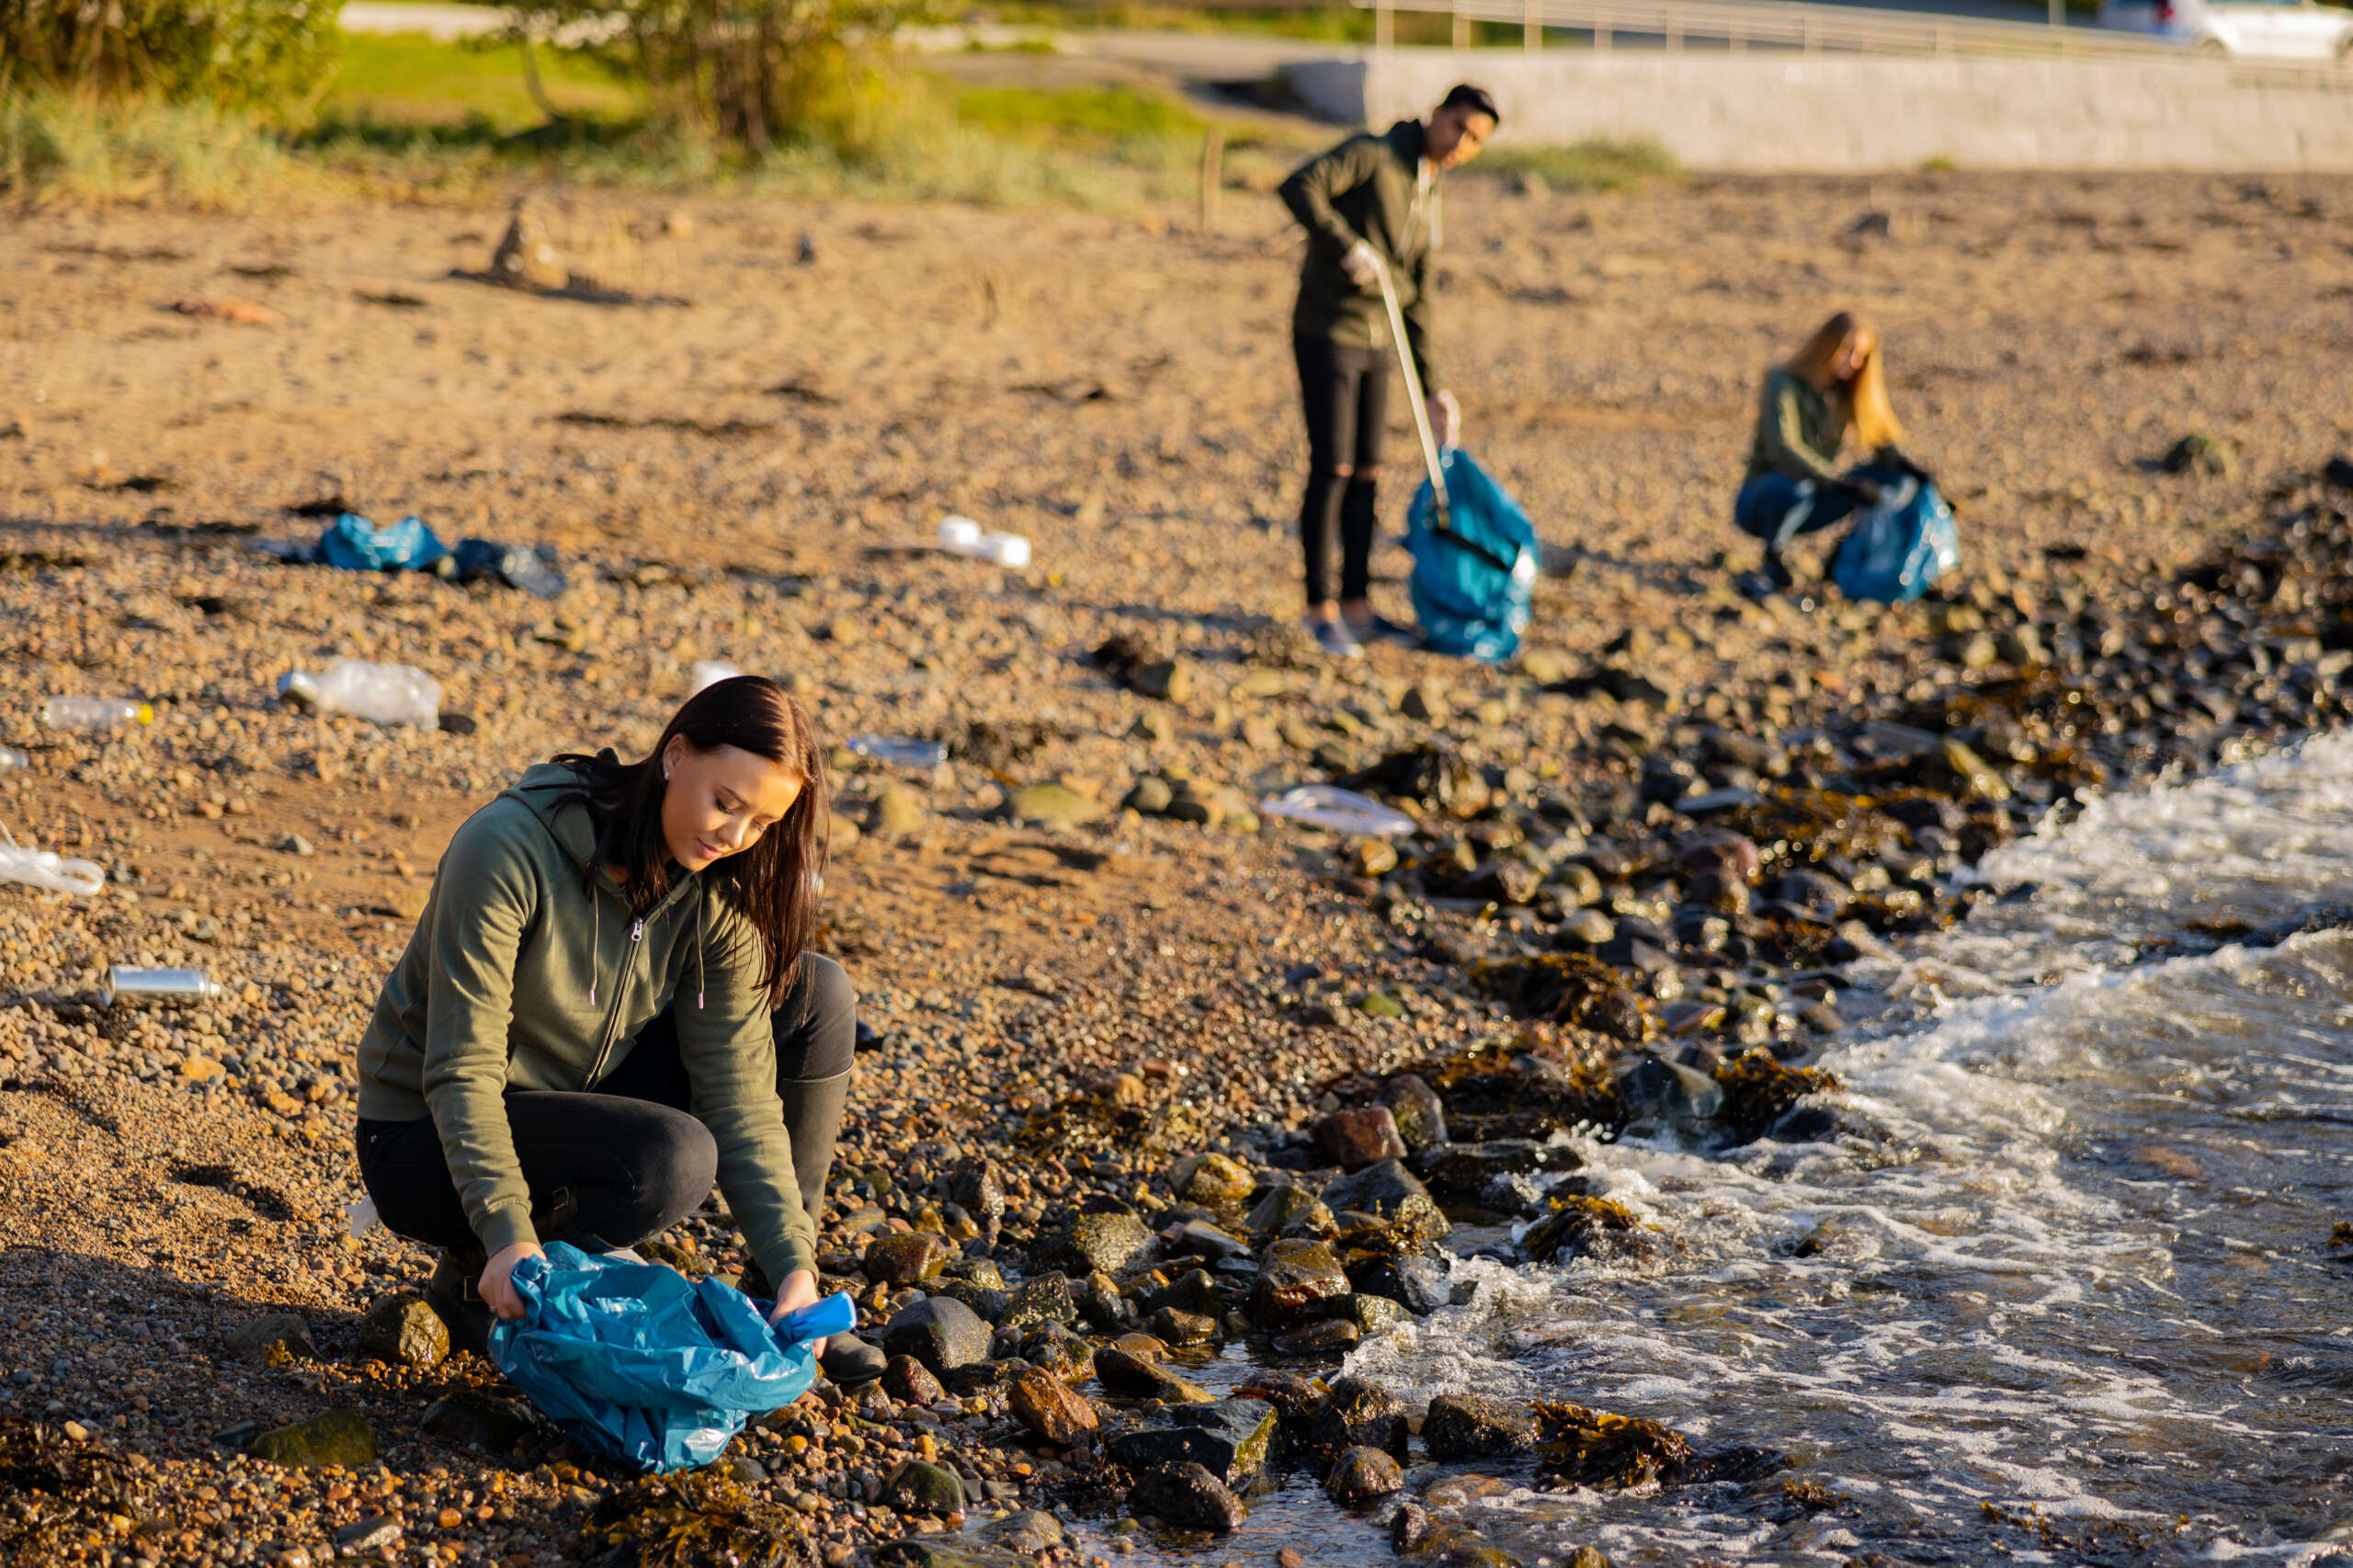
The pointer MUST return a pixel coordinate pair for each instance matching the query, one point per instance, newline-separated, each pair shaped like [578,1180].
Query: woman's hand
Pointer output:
[800,1291]
[498,1289]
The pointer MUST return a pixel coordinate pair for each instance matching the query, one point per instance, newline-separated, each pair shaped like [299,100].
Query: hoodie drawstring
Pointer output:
[597,938]
[703,934]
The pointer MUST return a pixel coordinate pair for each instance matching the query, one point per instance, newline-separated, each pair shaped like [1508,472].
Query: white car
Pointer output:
[2274,29]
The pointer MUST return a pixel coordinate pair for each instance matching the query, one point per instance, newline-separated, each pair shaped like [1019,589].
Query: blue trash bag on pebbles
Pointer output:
[1474,581]
[1899,547]
[640,1363]
[355,544]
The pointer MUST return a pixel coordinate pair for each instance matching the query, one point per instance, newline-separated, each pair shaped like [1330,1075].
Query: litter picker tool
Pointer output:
[1414,395]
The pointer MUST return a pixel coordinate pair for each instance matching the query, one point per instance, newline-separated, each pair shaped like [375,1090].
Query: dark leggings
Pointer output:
[625,1160]
[1776,509]
[1345,393]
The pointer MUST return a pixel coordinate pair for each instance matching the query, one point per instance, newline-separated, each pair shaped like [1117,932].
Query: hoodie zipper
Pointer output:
[620,990]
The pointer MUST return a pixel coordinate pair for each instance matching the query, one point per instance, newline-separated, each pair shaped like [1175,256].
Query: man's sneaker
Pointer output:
[1334,639]
[454,1293]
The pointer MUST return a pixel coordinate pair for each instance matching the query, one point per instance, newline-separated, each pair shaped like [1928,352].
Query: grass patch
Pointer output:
[1334,24]
[410,79]
[60,150]
[1101,116]
[1598,163]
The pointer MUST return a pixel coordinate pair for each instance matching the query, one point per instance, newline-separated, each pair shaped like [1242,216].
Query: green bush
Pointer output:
[56,148]
[270,58]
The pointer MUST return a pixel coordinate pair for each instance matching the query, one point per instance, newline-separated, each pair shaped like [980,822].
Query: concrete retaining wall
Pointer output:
[1790,112]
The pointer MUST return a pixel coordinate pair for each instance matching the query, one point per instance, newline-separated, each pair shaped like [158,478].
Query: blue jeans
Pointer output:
[1777,508]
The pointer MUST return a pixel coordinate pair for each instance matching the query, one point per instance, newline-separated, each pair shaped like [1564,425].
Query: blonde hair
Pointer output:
[1869,415]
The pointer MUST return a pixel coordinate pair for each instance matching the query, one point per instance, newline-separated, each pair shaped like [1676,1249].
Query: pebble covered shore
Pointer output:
[1148,1072]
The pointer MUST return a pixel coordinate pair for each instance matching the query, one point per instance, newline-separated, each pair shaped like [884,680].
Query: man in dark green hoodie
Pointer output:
[1369,204]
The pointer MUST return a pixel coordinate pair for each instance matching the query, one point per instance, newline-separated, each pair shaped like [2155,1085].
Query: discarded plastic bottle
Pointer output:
[962,536]
[1342,811]
[389,694]
[901,752]
[159,987]
[95,712]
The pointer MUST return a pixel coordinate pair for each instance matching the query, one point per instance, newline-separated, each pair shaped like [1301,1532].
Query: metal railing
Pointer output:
[1776,24]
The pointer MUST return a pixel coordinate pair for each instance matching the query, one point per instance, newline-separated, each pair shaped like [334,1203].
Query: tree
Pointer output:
[269,56]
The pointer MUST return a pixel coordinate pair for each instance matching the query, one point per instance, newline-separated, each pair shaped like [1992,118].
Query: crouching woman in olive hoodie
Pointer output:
[607,1005]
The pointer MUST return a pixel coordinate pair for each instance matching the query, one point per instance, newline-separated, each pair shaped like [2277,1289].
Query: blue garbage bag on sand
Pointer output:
[1898,547]
[1475,579]
[636,1361]
[355,544]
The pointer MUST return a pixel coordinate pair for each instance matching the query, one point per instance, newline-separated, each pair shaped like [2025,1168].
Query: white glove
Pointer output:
[1446,419]
[1362,265]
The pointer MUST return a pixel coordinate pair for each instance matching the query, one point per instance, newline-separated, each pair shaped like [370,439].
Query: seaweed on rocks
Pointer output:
[55,1490]
[1527,1087]
[1574,1227]
[1574,989]
[1759,1090]
[703,1518]
[1579,1445]
[1800,827]
[1437,779]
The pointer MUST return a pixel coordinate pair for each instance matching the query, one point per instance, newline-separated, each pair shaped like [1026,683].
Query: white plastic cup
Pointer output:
[960,535]
[1004,550]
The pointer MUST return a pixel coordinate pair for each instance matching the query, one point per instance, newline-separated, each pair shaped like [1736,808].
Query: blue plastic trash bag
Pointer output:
[1899,547]
[635,1361]
[1473,581]
[355,544]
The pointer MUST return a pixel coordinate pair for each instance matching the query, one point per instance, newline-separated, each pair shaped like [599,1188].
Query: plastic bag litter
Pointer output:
[46,870]
[1898,547]
[899,752]
[962,536]
[355,544]
[361,1217]
[1342,811]
[710,672]
[1474,581]
[636,1361]
[533,570]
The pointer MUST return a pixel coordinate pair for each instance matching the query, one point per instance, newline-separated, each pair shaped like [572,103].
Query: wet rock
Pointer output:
[1363,1475]
[1175,1327]
[1465,1170]
[469,1419]
[1294,1279]
[1371,1315]
[1050,1407]
[943,1334]
[1355,1138]
[1212,1179]
[1652,1089]
[1393,1193]
[1415,1281]
[1582,991]
[898,813]
[337,1438]
[905,1260]
[1409,1528]
[1106,1243]
[1056,1349]
[1420,1115]
[1130,1376]
[1500,882]
[905,1379]
[1148,796]
[1186,1496]
[1356,1413]
[1195,1290]
[915,1487]
[1031,1531]
[1330,1337]
[987,1301]
[1574,1226]
[1291,1210]
[1584,929]
[1231,1439]
[1199,1238]
[1598,1448]
[919,1551]
[977,1187]
[1970,774]
[849,1360]
[371,1534]
[1037,1301]
[272,1333]
[1470,1427]
[1759,1090]
[1474,1557]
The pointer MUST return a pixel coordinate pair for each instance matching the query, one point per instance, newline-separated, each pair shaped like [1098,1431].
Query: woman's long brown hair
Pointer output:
[774,885]
[1869,413]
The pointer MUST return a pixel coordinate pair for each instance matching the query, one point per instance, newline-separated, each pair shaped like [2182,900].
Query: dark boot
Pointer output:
[455,1293]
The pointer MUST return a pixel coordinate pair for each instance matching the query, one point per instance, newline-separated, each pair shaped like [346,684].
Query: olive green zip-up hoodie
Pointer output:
[1372,188]
[516,978]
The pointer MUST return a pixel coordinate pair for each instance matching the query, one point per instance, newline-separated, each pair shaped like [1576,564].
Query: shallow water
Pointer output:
[2073,1300]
